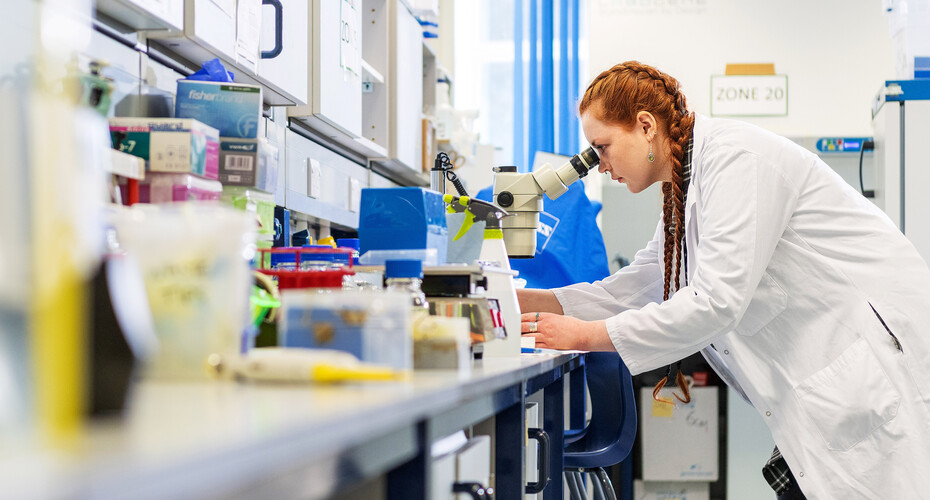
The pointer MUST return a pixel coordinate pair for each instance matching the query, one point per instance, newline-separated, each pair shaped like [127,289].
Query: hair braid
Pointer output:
[620,93]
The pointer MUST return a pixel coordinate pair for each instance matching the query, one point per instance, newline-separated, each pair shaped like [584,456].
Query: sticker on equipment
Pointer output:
[239,162]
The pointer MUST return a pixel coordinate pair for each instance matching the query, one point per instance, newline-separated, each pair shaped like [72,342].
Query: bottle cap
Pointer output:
[348,243]
[403,269]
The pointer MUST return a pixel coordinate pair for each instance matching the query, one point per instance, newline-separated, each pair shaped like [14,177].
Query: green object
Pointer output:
[476,210]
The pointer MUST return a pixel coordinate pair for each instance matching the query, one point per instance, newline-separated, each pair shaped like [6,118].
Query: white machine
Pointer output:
[521,195]
[901,124]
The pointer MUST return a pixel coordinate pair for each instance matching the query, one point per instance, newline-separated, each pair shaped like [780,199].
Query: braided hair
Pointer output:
[617,95]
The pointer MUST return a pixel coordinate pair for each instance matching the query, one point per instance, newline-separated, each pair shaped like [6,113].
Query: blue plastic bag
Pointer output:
[569,245]
[212,71]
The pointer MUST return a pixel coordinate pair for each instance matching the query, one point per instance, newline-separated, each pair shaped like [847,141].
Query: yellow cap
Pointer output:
[329,240]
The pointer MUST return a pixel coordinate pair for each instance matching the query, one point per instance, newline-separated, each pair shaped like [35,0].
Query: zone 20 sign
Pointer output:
[749,95]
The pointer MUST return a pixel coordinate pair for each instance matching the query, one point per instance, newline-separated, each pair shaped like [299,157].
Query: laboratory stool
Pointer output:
[608,437]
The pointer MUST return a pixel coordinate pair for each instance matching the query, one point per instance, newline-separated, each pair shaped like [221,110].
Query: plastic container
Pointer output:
[307,267]
[194,261]
[162,187]
[428,256]
[375,327]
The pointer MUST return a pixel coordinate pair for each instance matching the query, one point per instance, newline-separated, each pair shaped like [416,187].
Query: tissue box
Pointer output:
[169,144]
[162,187]
[233,108]
[249,162]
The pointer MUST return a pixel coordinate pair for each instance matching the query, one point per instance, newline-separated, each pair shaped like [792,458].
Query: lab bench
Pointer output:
[226,439]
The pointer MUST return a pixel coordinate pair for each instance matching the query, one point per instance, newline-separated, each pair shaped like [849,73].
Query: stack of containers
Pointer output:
[181,157]
[248,163]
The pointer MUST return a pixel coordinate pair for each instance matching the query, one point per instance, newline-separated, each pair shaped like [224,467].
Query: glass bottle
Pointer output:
[407,276]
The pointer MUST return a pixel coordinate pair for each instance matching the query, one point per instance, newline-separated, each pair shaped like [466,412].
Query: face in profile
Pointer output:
[624,151]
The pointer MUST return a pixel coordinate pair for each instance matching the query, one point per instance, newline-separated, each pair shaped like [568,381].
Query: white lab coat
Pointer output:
[784,259]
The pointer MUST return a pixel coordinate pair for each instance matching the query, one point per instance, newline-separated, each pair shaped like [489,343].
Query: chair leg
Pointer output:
[596,487]
[575,487]
[603,479]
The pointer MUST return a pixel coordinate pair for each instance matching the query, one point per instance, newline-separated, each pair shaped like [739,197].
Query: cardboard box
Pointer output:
[680,443]
[169,144]
[232,108]
[248,162]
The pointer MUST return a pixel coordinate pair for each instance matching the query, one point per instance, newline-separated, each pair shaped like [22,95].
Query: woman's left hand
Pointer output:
[556,331]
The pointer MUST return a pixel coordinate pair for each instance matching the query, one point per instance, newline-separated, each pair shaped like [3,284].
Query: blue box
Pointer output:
[232,108]
[402,218]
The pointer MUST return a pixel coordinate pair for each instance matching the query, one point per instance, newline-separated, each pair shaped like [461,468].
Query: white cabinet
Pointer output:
[224,29]
[289,69]
[407,89]
[311,169]
[333,52]
[392,110]
[145,14]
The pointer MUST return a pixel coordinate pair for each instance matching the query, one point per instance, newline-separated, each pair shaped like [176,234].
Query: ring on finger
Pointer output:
[537,318]
[532,327]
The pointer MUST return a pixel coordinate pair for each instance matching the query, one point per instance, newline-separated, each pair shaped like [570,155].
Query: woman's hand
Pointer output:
[555,331]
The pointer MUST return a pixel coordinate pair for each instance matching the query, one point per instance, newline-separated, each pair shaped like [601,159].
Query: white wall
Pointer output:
[836,53]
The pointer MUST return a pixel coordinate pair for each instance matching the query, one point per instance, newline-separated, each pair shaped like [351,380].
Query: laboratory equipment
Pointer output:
[402,218]
[458,290]
[521,195]
[901,124]
[496,266]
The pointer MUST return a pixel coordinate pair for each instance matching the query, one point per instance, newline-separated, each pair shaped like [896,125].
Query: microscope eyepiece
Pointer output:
[584,161]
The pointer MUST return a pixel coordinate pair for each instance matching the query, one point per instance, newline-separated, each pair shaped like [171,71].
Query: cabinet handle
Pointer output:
[476,490]
[278,29]
[542,460]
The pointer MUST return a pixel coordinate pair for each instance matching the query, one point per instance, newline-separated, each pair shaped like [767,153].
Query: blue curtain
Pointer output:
[545,120]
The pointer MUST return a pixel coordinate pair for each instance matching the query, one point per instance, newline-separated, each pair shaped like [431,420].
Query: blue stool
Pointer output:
[608,438]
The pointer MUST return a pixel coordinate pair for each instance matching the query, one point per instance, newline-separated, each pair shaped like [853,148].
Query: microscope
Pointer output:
[520,194]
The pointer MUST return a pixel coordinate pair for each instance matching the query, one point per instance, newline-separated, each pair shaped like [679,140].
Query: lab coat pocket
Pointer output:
[850,398]
[768,301]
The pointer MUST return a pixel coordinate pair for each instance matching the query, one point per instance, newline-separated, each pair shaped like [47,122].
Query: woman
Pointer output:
[797,290]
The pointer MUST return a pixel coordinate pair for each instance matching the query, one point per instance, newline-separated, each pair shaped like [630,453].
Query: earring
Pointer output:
[651,157]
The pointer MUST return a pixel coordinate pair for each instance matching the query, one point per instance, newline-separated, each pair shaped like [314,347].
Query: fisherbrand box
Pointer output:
[233,108]
[169,144]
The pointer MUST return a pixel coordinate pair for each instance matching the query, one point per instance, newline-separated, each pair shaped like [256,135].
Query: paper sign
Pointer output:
[661,409]
[350,46]
[749,95]
[248,33]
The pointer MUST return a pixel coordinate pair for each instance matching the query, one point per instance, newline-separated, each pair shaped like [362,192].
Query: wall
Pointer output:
[836,53]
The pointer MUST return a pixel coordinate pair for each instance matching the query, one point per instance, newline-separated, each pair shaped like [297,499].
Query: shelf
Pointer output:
[370,74]
[196,53]
[399,172]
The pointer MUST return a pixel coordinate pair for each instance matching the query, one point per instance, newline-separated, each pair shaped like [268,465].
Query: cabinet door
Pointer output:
[213,23]
[407,84]
[290,69]
[337,55]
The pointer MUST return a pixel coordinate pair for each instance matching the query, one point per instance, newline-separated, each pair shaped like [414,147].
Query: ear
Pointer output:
[646,122]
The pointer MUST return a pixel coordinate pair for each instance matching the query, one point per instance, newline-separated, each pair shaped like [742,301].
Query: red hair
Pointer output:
[616,96]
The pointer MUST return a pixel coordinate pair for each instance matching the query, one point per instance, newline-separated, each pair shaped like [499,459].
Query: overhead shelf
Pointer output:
[370,74]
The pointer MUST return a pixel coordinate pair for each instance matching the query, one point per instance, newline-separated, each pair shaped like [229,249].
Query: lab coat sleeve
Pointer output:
[632,287]
[746,205]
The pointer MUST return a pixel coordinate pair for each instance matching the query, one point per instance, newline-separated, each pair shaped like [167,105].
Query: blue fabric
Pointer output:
[569,245]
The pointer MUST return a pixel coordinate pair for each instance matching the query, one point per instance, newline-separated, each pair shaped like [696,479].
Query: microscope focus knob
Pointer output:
[505,199]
